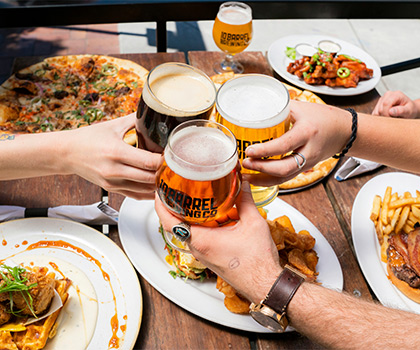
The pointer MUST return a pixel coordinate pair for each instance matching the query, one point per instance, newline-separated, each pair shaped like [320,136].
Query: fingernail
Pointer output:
[246,163]
[250,151]
[393,111]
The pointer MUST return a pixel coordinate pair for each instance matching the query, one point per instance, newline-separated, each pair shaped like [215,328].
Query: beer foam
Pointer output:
[179,92]
[254,101]
[234,15]
[201,153]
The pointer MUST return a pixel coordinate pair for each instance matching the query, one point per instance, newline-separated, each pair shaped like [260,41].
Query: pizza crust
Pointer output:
[319,171]
[130,137]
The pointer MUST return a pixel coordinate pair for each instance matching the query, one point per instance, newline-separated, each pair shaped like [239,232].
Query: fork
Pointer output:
[107,210]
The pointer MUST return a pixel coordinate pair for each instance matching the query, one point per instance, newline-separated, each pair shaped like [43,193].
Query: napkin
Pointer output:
[355,166]
[98,213]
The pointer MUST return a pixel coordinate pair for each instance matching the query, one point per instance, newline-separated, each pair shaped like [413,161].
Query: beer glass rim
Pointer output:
[202,123]
[200,72]
[268,122]
[236,3]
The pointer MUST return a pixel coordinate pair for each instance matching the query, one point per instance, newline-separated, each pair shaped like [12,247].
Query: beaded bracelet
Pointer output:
[353,134]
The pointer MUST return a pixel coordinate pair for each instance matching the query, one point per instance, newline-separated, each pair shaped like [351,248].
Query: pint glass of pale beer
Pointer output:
[198,180]
[232,33]
[255,108]
[173,93]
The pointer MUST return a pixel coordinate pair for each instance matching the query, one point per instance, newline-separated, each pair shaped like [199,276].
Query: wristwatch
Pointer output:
[271,312]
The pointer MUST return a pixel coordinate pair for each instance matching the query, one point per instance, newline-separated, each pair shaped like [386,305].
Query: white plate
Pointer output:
[279,62]
[366,243]
[139,233]
[79,249]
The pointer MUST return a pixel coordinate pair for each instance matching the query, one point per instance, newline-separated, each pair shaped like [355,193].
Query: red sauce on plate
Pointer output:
[114,342]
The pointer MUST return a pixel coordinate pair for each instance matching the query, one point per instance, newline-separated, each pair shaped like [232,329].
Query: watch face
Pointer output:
[267,321]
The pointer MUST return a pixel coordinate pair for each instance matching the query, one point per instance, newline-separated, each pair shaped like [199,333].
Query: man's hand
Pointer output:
[244,255]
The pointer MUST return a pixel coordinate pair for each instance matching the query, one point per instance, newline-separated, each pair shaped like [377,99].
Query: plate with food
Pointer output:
[67,92]
[384,231]
[309,177]
[100,295]
[179,278]
[324,64]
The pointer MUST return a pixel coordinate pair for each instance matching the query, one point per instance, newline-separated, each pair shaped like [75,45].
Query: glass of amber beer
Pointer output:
[173,93]
[198,180]
[255,108]
[232,33]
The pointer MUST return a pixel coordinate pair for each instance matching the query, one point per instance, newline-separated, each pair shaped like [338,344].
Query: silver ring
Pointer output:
[182,231]
[296,155]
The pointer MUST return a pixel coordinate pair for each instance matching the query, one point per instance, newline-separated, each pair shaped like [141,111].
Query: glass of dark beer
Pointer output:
[173,93]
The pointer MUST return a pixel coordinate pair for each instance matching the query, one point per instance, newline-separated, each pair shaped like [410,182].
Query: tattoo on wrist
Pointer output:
[6,137]
[234,263]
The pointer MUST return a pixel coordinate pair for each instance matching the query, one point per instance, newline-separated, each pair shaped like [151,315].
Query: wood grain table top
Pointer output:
[165,325]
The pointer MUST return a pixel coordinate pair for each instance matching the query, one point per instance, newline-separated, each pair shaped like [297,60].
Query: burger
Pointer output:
[403,262]
[184,265]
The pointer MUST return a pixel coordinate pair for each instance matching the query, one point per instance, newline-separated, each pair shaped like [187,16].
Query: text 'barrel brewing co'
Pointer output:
[198,180]
[255,108]
[232,33]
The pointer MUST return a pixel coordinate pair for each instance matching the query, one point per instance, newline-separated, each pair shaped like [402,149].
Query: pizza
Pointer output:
[321,169]
[68,92]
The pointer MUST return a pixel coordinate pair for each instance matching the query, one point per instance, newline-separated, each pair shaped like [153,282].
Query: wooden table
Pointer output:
[165,325]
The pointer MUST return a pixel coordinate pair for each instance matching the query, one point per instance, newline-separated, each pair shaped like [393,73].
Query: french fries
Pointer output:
[394,213]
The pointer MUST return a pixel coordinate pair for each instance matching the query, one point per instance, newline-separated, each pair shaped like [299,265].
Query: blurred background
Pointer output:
[387,41]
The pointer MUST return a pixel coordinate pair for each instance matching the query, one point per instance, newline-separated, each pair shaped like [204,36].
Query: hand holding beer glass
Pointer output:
[198,180]
[255,108]
[232,33]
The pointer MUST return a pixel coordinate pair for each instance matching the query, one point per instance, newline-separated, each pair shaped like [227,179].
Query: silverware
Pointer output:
[107,210]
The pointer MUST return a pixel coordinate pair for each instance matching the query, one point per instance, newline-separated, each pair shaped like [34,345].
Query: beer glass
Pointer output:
[198,180]
[232,33]
[173,93]
[255,108]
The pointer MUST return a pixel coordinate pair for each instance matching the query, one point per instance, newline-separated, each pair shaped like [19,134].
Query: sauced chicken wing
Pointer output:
[328,69]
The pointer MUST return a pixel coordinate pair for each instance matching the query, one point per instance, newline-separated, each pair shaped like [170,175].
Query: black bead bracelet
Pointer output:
[352,136]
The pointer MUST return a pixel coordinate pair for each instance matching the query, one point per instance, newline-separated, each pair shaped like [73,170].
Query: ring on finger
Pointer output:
[296,155]
[182,231]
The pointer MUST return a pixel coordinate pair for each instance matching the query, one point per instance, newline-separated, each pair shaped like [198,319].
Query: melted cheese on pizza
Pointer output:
[67,94]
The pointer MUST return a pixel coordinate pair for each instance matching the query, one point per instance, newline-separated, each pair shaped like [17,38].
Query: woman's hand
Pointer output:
[318,132]
[244,255]
[99,154]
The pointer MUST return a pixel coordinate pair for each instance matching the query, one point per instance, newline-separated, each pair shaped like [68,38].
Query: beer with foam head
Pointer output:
[232,30]
[198,180]
[173,94]
[255,108]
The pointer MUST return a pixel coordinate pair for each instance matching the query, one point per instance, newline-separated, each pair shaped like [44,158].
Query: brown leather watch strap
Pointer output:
[283,290]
